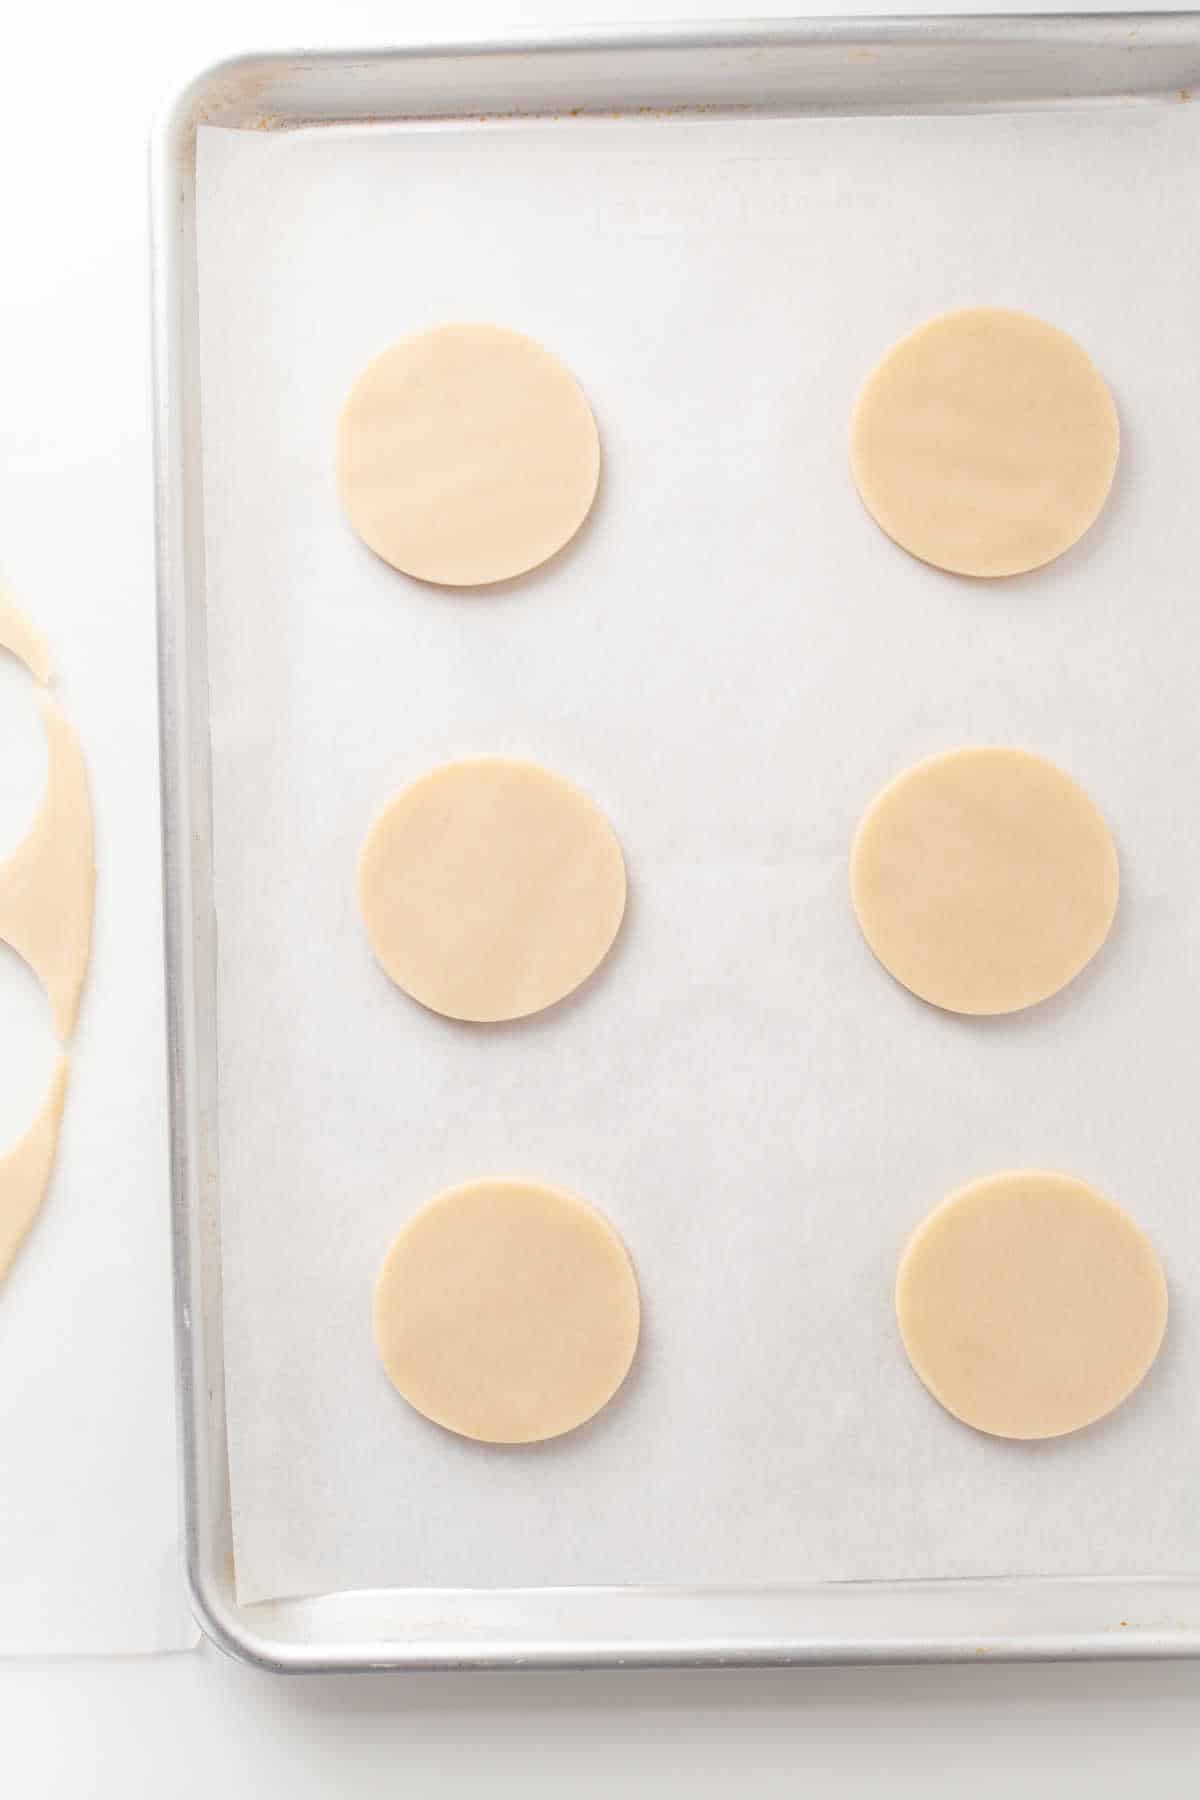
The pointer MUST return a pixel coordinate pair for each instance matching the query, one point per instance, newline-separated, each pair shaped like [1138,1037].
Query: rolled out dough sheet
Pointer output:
[1030,1305]
[984,879]
[25,1171]
[19,635]
[985,442]
[467,454]
[507,1311]
[491,888]
[48,883]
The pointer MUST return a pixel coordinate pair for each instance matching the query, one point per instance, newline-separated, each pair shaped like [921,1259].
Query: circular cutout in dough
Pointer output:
[984,879]
[467,454]
[985,442]
[491,888]
[1030,1305]
[507,1311]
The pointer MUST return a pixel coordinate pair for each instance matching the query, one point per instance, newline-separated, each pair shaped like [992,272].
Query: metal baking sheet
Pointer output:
[719,1575]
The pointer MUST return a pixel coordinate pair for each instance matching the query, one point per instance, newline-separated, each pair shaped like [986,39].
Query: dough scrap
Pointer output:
[507,1311]
[491,888]
[467,454]
[985,442]
[22,638]
[1030,1305]
[984,879]
[25,1171]
[48,883]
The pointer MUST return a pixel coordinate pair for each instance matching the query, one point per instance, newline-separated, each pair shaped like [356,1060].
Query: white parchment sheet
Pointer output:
[731,660]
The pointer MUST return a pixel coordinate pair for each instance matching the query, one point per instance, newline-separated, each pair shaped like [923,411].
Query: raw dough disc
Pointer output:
[467,454]
[984,879]
[507,1311]
[1030,1305]
[985,443]
[491,888]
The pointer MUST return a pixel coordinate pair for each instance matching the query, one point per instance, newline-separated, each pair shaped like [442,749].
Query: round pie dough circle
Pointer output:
[507,1311]
[984,879]
[467,454]
[1030,1305]
[985,442]
[491,888]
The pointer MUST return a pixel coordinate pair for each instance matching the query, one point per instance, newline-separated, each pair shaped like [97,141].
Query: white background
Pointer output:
[82,84]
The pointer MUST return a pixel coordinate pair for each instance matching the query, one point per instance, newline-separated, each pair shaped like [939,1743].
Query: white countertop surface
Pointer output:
[193,1726]
[83,84]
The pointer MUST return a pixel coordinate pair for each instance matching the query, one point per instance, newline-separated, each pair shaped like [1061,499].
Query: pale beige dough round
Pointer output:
[1030,1305]
[985,443]
[491,888]
[467,454]
[507,1311]
[984,879]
